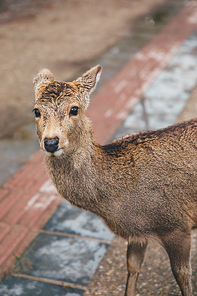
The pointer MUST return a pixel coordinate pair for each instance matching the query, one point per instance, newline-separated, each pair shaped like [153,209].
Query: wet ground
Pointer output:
[71,246]
[168,95]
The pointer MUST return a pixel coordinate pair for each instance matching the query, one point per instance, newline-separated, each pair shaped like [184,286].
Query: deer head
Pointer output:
[59,110]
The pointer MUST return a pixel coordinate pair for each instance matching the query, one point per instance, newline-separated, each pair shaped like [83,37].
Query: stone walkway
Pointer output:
[65,251]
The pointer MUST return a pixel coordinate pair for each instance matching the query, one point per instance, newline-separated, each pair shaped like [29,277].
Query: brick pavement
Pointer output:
[116,100]
[25,199]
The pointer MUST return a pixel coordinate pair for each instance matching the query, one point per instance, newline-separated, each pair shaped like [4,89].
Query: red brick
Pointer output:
[21,174]
[32,233]
[18,251]
[38,157]
[36,208]
[11,242]
[37,171]
[9,201]
[29,177]
[48,187]
[3,193]
[48,213]
[18,210]
[4,230]
[42,178]
[30,169]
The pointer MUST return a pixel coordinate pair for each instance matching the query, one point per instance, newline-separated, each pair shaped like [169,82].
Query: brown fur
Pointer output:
[143,185]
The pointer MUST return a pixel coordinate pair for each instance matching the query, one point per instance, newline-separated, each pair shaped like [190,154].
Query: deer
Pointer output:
[142,185]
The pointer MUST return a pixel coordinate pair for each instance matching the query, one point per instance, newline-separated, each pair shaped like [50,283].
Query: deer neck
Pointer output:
[87,180]
[73,173]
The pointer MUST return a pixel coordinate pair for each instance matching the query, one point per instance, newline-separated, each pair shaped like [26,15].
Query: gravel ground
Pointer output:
[155,278]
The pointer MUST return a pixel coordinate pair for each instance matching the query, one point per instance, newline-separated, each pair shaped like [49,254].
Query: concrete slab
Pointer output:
[13,286]
[69,219]
[68,259]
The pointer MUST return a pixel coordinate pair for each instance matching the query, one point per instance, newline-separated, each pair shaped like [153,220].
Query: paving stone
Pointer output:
[167,96]
[69,219]
[14,286]
[67,259]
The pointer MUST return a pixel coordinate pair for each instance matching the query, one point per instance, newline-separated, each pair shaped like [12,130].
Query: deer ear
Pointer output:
[88,82]
[42,78]
[90,78]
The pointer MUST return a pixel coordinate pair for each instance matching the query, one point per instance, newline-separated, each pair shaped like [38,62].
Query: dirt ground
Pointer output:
[59,35]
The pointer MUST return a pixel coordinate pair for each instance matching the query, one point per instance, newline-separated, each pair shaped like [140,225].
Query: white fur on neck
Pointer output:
[56,153]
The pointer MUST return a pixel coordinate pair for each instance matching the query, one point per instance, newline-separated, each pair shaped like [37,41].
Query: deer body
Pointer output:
[142,185]
[115,182]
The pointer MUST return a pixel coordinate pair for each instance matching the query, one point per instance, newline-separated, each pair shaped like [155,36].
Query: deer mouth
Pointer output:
[57,153]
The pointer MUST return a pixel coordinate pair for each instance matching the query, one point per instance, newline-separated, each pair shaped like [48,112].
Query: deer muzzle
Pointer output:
[51,145]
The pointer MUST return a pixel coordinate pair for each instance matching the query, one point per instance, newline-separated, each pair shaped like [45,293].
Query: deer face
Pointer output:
[59,110]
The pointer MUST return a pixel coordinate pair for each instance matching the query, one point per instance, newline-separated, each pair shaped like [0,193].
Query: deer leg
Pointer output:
[135,257]
[178,248]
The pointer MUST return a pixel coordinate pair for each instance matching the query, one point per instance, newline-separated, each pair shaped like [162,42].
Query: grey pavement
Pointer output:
[167,96]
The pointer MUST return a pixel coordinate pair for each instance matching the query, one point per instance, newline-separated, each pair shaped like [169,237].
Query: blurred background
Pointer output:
[68,37]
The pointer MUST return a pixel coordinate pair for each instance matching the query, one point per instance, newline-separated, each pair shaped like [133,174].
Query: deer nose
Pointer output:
[51,145]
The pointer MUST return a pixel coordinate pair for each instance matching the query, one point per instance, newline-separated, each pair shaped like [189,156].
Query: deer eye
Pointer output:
[73,111]
[37,112]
